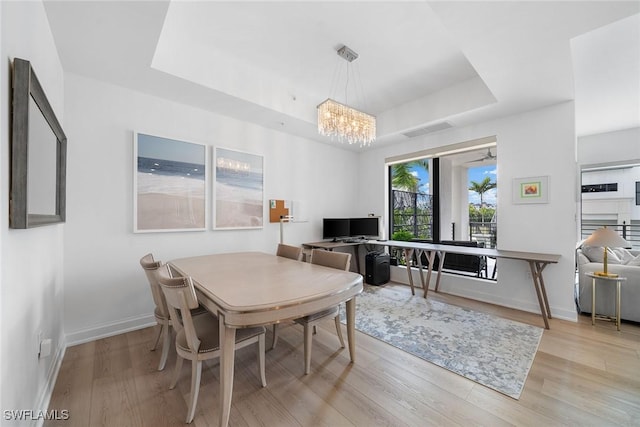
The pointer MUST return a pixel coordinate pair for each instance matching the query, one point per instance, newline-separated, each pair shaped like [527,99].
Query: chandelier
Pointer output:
[342,122]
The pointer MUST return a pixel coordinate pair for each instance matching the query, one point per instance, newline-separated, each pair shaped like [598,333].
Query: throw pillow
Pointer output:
[623,255]
[596,254]
[634,261]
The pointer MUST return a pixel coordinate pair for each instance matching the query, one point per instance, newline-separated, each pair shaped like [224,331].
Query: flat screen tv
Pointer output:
[364,227]
[334,228]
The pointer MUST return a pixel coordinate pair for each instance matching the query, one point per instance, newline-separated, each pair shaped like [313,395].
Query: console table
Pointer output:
[537,263]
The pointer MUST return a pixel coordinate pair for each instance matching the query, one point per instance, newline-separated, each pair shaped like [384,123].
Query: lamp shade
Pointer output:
[606,237]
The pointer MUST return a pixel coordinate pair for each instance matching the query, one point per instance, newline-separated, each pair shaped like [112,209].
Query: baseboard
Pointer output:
[109,329]
[47,390]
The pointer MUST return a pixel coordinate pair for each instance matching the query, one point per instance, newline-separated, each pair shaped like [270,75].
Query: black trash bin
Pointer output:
[377,268]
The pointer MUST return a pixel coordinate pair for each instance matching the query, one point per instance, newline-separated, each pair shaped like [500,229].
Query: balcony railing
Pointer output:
[629,232]
[486,232]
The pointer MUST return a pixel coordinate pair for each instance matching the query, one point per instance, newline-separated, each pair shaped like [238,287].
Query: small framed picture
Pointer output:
[531,190]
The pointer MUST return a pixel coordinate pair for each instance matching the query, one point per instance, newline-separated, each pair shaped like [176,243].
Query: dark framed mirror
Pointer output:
[38,154]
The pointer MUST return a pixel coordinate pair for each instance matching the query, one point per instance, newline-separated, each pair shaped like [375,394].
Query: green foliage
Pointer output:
[479,214]
[402,235]
[403,179]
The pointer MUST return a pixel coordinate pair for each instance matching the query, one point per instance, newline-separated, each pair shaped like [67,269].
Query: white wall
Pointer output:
[31,261]
[611,147]
[105,289]
[537,143]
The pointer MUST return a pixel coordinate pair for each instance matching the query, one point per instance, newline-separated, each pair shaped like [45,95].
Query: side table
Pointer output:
[618,280]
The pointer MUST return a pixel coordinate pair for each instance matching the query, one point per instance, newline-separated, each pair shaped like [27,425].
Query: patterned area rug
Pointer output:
[489,350]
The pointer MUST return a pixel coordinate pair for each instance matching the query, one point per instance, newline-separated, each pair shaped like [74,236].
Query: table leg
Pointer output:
[441,254]
[593,301]
[408,253]
[356,253]
[227,361]
[419,253]
[351,328]
[536,276]
[430,258]
[618,304]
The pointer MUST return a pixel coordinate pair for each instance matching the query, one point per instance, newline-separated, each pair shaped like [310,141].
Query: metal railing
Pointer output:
[412,212]
[486,232]
[629,232]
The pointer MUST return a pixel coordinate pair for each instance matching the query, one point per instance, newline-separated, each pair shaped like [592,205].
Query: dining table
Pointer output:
[246,289]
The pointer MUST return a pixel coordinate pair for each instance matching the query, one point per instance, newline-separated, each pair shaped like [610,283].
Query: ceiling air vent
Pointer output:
[428,129]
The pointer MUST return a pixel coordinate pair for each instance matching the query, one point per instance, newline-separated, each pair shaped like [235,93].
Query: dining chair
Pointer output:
[291,252]
[288,251]
[161,312]
[340,261]
[197,337]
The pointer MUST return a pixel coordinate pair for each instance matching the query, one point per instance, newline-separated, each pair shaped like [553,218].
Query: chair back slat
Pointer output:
[339,260]
[181,296]
[151,268]
[288,251]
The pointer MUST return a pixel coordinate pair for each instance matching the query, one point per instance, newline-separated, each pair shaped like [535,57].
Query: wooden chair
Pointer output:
[288,251]
[197,338]
[291,252]
[161,312]
[340,261]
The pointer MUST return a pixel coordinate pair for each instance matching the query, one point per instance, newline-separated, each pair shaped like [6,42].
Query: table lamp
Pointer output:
[607,238]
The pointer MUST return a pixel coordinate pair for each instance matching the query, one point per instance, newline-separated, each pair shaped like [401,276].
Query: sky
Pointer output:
[476,174]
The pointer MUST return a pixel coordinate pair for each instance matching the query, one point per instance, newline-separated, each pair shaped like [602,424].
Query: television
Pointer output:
[364,227]
[334,228]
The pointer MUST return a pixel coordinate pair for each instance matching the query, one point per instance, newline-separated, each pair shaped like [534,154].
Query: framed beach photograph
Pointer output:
[238,190]
[531,190]
[170,185]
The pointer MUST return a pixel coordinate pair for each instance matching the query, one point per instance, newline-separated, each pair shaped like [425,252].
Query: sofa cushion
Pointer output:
[596,254]
[634,262]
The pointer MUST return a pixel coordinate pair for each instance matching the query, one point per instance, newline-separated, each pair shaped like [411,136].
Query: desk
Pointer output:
[329,246]
[594,316]
[253,288]
[537,262]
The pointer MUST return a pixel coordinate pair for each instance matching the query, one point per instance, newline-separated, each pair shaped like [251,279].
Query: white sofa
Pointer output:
[625,263]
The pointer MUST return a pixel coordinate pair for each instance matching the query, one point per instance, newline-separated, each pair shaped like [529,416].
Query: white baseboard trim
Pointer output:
[42,404]
[109,329]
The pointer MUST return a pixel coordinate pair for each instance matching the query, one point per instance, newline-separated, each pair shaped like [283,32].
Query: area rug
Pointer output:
[487,349]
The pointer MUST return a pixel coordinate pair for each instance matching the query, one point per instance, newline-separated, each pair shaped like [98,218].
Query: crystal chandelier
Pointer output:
[345,123]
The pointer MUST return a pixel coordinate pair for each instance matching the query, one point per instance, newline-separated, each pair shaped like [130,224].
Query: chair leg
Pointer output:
[196,372]
[176,372]
[261,350]
[307,347]
[166,345]
[339,330]
[274,340]
[158,336]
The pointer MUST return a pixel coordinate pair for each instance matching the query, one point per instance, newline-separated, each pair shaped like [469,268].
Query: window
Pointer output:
[411,210]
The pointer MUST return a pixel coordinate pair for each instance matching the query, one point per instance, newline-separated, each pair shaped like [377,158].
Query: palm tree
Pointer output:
[481,188]
[402,178]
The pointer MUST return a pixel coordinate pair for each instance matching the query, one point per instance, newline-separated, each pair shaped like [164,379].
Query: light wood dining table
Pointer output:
[253,288]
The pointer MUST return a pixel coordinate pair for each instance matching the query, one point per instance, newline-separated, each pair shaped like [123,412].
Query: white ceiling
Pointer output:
[421,63]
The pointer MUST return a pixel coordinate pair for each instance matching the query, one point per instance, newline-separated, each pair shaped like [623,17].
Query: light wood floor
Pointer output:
[582,375]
